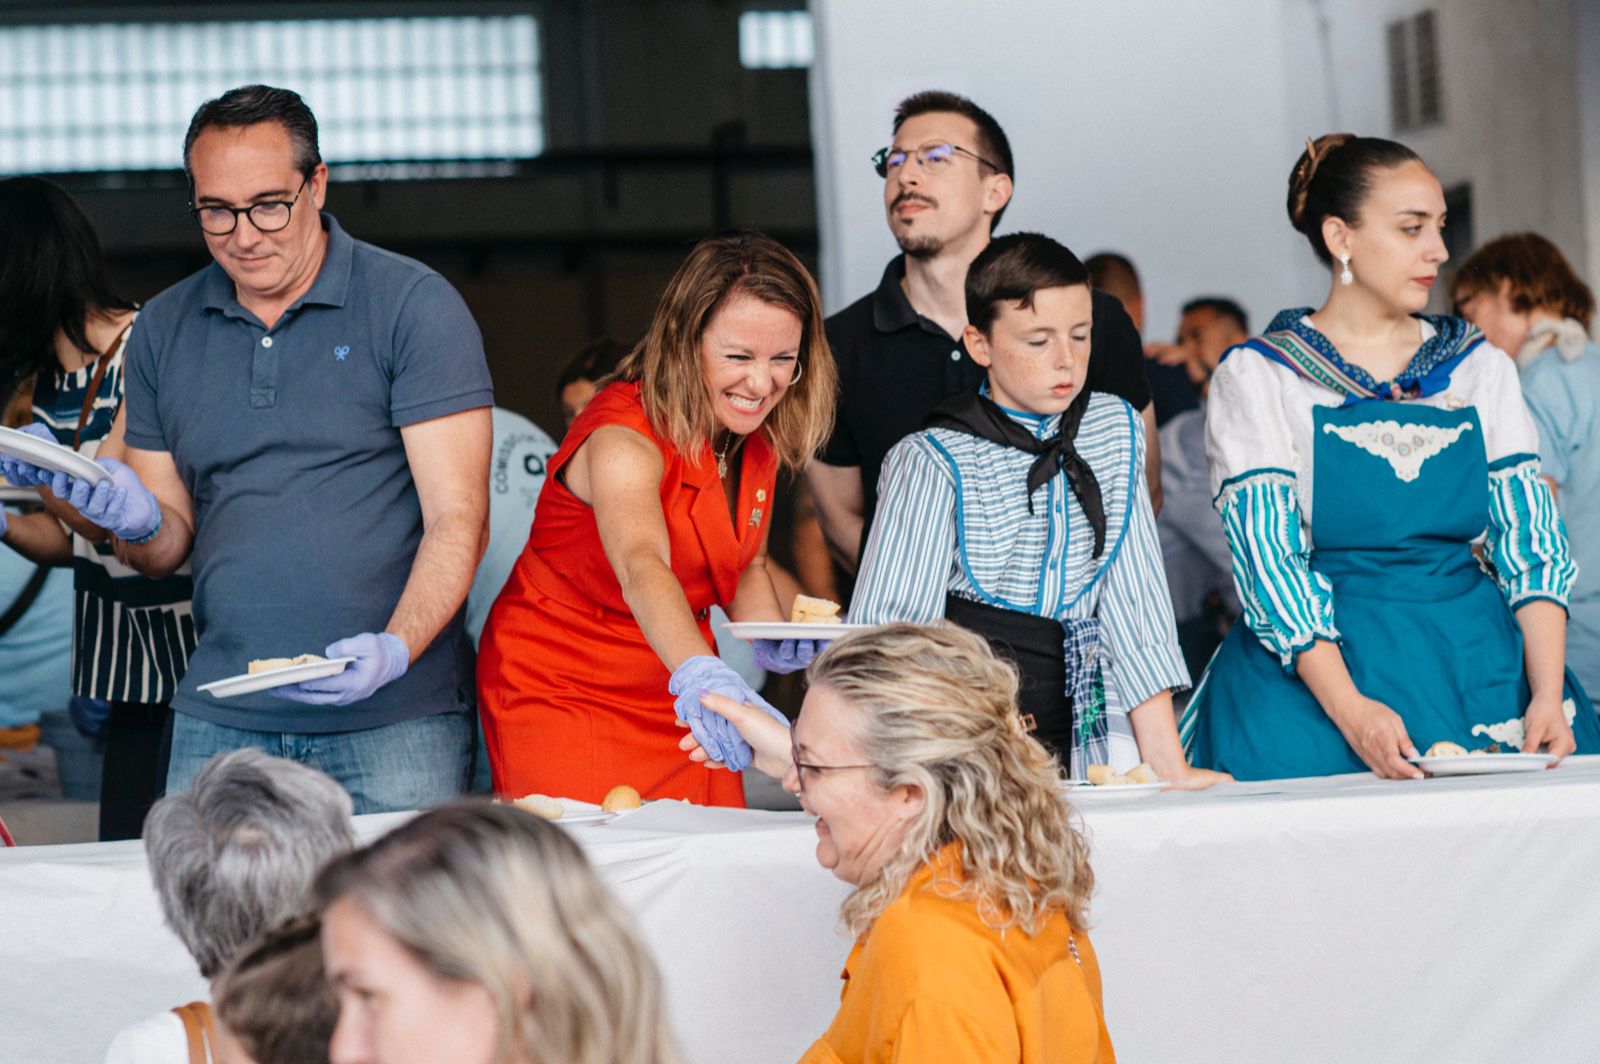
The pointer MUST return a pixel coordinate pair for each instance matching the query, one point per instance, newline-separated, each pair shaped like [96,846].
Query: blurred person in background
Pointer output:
[273,1001]
[1193,548]
[582,377]
[1166,368]
[971,875]
[480,934]
[1359,453]
[231,857]
[658,506]
[65,333]
[1531,304]
[947,179]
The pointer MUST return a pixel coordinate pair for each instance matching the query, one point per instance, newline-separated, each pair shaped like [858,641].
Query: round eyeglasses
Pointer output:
[268,216]
[934,156]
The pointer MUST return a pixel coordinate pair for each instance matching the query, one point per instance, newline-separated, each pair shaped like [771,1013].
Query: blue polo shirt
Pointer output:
[288,439]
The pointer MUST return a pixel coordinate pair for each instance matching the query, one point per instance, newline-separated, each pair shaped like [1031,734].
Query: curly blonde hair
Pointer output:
[487,893]
[939,712]
[666,363]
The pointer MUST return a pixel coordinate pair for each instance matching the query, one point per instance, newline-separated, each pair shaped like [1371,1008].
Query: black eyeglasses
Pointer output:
[268,217]
[935,156]
[801,767]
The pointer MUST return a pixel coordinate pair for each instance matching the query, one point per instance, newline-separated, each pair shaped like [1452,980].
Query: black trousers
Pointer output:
[1035,645]
[138,740]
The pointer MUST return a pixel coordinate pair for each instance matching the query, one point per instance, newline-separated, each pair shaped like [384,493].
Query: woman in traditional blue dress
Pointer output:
[1403,569]
[1022,513]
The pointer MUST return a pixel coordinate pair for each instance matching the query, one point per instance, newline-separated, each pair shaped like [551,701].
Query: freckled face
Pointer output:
[1037,356]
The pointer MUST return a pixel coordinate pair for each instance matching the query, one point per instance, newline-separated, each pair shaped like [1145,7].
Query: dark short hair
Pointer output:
[1221,306]
[992,142]
[52,277]
[1012,268]
[250,105]
[1332,179]
[1112,272]
[275,998]
[595,361]
[1537,277]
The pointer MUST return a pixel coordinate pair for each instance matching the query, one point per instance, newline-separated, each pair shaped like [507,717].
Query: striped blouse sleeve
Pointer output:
[911,550]
[1527,541]
[1254,471]
[1138,633]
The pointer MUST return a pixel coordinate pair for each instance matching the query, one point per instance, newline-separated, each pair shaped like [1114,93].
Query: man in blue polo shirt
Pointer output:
[309,422]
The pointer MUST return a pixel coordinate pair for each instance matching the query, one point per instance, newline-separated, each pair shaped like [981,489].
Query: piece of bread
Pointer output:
[541,805]
[269,664]
[1142,773]
[1446,748]
[808,610]
[1100,774]
[620,798]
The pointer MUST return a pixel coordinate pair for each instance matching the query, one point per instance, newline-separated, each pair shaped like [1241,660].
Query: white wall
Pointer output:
[1587,38]
[1166,130]
[1511,107]
[1161,130]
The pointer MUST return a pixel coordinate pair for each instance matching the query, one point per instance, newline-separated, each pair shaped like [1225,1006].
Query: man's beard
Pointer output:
[920,245]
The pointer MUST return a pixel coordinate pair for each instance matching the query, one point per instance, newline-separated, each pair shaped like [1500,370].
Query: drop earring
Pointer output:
[1345,276]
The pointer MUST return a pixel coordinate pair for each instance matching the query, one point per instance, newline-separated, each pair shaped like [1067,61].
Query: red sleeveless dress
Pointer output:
[573,699]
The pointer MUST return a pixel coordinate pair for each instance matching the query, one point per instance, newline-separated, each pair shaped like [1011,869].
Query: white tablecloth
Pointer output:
[1334,919]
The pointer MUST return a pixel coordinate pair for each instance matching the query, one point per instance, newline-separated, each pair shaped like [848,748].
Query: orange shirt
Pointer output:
[931,982]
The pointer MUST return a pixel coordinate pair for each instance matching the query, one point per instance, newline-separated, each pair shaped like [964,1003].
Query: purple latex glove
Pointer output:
[120,504]
[380,659]
[787,655]
[720,739]
[24,474]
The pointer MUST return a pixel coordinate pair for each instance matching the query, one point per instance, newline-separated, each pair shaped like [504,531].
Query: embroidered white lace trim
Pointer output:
[1404,447]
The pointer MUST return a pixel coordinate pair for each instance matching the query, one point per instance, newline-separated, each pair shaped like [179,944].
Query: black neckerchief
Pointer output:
[978,415]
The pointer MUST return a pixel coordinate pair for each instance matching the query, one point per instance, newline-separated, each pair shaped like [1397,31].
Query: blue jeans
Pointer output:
[411,765]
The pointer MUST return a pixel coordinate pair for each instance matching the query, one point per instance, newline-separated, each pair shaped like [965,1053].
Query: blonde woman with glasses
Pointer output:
[479,934]
[656,508]
[972,881]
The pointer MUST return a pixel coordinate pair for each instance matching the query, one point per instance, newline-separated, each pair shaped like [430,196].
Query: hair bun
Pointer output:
[1305,171]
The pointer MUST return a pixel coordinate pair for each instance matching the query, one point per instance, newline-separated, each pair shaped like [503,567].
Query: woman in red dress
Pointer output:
[654,509]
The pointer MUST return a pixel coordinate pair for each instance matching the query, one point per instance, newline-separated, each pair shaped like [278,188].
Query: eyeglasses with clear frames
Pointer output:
[934,157]
[269,216]
[802,767]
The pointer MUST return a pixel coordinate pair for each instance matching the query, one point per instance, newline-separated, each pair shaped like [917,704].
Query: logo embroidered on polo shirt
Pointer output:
[341,351]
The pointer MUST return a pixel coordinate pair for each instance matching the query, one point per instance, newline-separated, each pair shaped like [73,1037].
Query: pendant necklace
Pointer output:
[722,456]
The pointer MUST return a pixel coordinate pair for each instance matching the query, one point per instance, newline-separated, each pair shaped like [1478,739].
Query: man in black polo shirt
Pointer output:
[947,180]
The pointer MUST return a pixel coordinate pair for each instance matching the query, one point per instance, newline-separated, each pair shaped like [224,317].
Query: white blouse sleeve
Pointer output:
[1255,474]
[1526,545]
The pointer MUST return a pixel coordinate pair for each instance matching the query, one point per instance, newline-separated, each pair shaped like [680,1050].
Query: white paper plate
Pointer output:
[1481,764]
[250,683]
[790,630]
[51,456]
[1080,791]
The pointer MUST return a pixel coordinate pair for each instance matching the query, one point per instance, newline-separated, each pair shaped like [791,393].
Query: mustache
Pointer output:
[911,197]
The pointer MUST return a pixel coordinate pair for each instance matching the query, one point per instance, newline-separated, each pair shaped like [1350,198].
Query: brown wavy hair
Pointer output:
[1537,276]
[939,712]
[667,364]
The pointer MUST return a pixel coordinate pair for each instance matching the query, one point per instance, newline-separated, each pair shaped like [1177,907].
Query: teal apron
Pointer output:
[1425,629]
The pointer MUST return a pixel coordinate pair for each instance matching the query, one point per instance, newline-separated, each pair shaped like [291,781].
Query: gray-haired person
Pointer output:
[231,857]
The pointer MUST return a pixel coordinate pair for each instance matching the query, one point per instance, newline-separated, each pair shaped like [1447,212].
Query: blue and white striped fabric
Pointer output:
[953,518]
[1527,541]
[1286,603]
